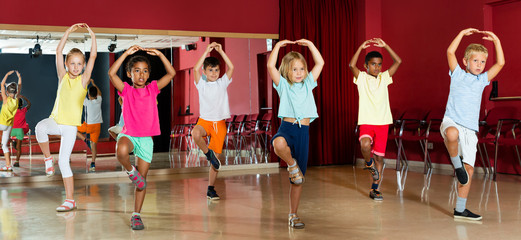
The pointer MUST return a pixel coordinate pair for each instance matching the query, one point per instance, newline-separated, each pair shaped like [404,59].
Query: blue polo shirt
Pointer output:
[465,94]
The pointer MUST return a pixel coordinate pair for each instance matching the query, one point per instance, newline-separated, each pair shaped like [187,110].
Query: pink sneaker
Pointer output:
[137,179]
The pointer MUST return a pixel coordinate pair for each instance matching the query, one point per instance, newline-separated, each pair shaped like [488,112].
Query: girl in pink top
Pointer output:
[141,119]
[20,127]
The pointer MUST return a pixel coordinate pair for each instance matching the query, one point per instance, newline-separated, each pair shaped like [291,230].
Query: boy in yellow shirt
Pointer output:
[374,113]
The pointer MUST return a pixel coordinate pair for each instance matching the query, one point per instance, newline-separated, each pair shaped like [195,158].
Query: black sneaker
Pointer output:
[16,164]
[373,170]
[212,195]
[88,143]
[376,195]
[466,215]
[210,155]
[461,174]
[92,167]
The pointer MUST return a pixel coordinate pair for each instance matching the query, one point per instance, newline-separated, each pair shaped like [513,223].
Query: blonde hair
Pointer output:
[285,65]
[74,51]
[12,88]
[475,48]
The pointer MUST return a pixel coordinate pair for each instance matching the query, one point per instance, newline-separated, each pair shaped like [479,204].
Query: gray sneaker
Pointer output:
[137,179]
[376,195]
[136,223]
[373,170]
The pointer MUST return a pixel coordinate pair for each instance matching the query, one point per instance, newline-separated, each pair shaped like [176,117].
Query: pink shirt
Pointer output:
[19,118]
[140,110]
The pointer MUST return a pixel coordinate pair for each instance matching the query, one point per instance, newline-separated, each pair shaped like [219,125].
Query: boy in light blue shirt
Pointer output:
[460,122]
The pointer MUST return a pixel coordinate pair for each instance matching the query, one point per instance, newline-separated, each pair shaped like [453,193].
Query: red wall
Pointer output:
[243,91]
[201,15]
[420,32]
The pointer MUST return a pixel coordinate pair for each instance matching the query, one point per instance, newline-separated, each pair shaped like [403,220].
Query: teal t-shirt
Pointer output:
[296,100]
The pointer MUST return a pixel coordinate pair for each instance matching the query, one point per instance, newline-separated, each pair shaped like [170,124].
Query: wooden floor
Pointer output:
[254,205]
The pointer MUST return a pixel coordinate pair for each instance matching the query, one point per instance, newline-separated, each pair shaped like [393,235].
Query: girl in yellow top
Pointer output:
[9,107]
[66,114]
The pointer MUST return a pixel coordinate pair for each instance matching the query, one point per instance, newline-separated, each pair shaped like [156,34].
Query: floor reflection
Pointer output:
[80,162]
[254,205]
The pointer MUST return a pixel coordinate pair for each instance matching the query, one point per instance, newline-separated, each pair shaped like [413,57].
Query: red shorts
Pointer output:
[378,135]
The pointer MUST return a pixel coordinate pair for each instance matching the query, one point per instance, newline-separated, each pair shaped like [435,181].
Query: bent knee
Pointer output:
[198,132]
[452,134]
[365,143]
[279,143]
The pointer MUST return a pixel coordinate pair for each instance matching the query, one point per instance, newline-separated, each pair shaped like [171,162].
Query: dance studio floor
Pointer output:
[34,165]
[335,205]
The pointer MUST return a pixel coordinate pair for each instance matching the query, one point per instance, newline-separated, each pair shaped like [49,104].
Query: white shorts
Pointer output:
[467,140]
[115,129]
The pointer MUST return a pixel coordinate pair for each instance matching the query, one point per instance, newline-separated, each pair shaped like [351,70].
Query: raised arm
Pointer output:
[352,64]
[229,64]
[317,57]
[451,51]
[96,86]
[170,71]
[113,70]
[27,101]
[92,58]
[500,57]
[272,61]
[396,59]
[19,82]
[2,85]
[60,67]
[199,63]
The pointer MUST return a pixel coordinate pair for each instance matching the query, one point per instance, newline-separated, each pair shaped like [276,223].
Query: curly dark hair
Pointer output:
[136,59]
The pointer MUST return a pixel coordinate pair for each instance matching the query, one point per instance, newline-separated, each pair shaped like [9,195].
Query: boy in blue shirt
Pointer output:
[460,123]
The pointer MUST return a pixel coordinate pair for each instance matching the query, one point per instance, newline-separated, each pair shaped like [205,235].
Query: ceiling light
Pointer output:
[113,43]
[37,50]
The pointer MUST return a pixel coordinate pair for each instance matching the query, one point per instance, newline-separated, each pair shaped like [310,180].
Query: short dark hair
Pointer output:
[373,54]
[93,91]
[211,62]
[136,59]
[20,103]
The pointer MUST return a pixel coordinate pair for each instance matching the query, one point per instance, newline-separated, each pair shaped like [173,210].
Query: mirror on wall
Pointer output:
[33,55]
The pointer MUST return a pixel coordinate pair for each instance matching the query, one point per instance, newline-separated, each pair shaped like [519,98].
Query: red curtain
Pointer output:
[330,25]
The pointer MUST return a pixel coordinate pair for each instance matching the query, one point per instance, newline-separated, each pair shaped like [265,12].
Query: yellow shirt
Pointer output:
[373,104]
[68,105]
[8,111]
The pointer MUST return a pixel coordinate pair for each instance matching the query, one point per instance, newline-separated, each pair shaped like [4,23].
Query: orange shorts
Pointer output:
[216,131]
[92,129]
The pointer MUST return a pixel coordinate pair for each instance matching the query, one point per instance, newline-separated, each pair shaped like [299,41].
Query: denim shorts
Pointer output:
[298,141]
